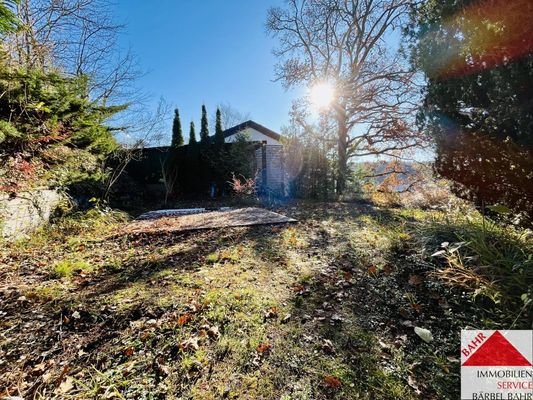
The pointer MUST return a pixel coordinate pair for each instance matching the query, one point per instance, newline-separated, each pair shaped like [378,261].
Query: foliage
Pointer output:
[8,18]
[78,37]
[310,168]
[221,163]
[177,134]
[48,126]
[478,60]
[487,259]
[219,133]
[200,169]
[243,187]
[240,159]
[204,128]
[192,134]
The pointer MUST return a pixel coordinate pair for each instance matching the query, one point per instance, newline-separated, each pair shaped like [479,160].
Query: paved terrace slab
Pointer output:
[205,220]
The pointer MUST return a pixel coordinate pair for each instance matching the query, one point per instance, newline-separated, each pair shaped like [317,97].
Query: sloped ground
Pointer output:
[321,309]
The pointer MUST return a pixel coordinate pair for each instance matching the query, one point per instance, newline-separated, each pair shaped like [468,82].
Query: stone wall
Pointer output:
[25,212]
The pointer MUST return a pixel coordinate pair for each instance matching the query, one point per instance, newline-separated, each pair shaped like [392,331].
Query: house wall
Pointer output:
[254,136]
[270,168]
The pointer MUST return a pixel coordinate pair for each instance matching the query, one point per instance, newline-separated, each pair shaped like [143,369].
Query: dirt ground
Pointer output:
[325,308]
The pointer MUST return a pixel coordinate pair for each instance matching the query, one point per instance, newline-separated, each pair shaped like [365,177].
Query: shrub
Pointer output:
[244,188]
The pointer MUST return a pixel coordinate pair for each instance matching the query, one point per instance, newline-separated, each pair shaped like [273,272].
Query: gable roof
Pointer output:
[254,125]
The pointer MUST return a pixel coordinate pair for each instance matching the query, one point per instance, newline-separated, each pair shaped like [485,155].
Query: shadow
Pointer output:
[347,319]
[357,323]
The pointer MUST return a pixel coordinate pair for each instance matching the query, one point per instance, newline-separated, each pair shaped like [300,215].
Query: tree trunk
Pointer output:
[342,147]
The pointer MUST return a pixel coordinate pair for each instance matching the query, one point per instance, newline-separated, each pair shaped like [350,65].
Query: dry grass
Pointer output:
[322,309]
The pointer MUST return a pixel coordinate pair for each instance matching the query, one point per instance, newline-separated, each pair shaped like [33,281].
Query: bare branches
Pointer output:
[351,44]
[80,37]
[230,116]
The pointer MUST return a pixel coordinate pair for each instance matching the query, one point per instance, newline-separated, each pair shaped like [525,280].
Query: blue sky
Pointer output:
[209,51]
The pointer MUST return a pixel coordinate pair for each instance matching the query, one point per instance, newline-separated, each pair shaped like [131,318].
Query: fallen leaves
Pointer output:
[183,319]
[415,280]
[208,331]
[65,386]
[411,382]
[128,351]
[190,344]
[327,347]
[161,367]
[424,334]
[336,318]
[271,313]
[332,300]
[332,382]
[388,269]
[213,332]
[286,318]
[263,348]
[300,290]
[372,270]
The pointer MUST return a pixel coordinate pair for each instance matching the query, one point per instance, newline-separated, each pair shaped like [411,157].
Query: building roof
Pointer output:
[229,132]
[254,125]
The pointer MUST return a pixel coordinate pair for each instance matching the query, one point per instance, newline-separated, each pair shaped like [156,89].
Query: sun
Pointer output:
[322,95]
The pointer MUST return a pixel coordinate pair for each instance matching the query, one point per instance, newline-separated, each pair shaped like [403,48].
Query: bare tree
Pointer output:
[79,37]
[230,116]
[170,178]
[346,43]
[149,129]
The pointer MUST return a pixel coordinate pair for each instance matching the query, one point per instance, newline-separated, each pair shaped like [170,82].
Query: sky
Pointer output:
[207,52]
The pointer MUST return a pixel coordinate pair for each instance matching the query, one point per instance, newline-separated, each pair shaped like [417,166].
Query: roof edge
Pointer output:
[252,124]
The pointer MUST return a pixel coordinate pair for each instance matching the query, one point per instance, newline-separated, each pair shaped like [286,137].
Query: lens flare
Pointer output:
[482,36]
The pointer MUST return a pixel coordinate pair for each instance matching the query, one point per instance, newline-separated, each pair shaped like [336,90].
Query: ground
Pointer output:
[322,309]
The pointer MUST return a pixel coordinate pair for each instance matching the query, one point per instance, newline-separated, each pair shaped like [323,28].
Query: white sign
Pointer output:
[496,365]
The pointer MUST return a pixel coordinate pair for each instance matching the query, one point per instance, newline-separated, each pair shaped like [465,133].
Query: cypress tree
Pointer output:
[192,135]
[177,134]
[219,134]
[204,129]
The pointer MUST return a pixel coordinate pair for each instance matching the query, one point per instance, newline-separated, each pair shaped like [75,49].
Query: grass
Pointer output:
[66,268]
[323,309]
[491,260]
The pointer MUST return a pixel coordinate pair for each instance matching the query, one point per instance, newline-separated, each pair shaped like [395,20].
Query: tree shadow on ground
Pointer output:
[356,323]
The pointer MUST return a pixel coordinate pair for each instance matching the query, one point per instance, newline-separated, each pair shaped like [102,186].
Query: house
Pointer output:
[268,154]
[268,149]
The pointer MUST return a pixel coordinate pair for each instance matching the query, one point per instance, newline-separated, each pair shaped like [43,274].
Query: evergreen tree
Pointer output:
[57,135]
[204,129]
[192,135]
[8,17]
[219,134]
[177,134]
[477,102]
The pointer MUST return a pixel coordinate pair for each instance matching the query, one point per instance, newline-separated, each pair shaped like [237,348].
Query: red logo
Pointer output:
[497,351]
